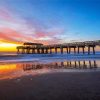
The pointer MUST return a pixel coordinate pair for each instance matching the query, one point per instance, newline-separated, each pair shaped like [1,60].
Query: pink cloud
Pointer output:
[16,36]
[34,29]
[5,14]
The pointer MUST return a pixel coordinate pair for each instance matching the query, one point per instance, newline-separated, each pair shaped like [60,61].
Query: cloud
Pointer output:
[18,28]
[5,13]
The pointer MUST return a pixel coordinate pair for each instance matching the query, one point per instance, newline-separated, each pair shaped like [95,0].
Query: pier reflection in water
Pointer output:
[17,70]
[59,65]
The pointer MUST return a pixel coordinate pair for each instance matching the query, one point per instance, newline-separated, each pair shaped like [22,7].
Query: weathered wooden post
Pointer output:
[56,50]
[83,50]
[46,50]
[61,50]
[38,50]
[28,50]
[93,50]
[67,50]
[42,50]
[33,51]
[23,51]
[88,50]
[74,50]
[50,50]
[18,50]
[78,49]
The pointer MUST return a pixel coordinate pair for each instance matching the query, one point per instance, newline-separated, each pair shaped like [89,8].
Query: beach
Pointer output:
[50,77]
[55,86]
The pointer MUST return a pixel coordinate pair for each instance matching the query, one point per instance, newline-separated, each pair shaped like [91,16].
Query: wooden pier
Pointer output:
[38,48]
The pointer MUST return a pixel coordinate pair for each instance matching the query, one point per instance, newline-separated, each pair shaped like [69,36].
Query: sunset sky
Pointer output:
[48,21]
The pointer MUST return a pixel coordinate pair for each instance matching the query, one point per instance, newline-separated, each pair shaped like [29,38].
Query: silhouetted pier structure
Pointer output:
[38,48]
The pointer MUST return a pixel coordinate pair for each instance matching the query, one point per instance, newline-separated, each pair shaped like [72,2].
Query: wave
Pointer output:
[46,57]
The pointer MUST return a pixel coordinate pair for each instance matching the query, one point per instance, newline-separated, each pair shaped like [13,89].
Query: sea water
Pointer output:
[18,65]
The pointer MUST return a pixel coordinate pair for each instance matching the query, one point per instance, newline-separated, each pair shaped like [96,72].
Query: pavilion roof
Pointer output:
[29,43]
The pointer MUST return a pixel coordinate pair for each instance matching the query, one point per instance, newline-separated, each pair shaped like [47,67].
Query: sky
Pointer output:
[48,21]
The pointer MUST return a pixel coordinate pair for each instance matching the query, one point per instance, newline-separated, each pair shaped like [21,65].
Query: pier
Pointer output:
[39,48]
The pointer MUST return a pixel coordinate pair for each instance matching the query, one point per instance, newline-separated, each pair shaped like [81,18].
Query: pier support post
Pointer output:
[78,50]
[46,50]
[83,50]
[23,51]
[61,50]
[28,51]
[56,50]
[38,51]
[18,51]
[33,51]
[88,50]
[42,51]
[74,50]
[67,50]
[93,50]
[50,50]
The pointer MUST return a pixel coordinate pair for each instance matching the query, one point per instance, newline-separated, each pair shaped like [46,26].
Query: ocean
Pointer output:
[47,62]
[13,57]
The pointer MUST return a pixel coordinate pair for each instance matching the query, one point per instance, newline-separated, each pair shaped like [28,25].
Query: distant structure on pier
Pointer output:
[38,48]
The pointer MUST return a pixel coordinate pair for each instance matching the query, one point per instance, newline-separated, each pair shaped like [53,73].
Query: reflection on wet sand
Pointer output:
[15,70]
[58,65]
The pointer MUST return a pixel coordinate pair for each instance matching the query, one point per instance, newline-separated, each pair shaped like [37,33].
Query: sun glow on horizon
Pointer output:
[9,47]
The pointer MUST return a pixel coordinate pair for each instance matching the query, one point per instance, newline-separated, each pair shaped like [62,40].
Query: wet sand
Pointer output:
[53,86]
